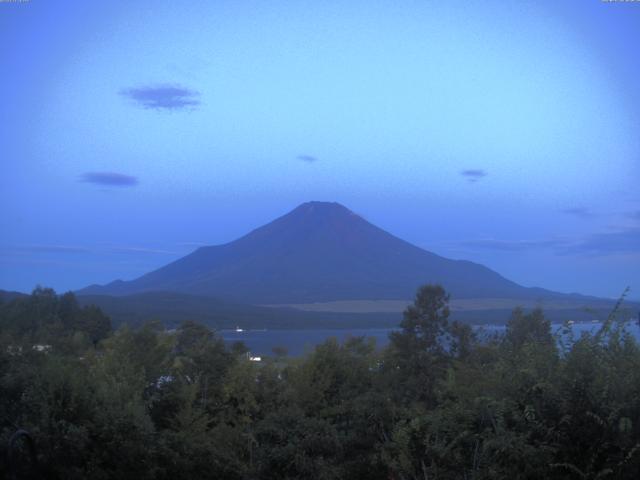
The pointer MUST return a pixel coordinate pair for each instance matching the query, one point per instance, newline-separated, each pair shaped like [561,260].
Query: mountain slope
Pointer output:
[319,252]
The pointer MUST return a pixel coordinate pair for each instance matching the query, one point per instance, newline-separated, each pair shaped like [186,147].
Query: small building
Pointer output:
[42,348]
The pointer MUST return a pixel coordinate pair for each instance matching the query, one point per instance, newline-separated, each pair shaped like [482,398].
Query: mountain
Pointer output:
[319,252]
[7,296]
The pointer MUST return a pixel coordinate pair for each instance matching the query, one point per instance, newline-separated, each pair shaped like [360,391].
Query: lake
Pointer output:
[298,342]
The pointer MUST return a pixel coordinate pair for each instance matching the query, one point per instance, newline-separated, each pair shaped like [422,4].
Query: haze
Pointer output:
[505,133]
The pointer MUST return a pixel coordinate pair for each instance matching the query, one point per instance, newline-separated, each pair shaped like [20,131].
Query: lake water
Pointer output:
[297,342]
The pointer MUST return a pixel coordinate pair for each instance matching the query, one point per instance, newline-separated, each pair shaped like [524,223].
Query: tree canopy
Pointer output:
[436,403]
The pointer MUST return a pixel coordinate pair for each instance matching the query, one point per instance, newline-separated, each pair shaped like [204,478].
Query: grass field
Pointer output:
[457,305]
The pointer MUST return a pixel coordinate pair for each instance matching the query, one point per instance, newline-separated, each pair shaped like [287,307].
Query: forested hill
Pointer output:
[320,252]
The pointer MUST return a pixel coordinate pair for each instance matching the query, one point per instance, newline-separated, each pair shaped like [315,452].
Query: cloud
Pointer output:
[473,175]
[142,250]
[580,212]
[72,249]
[47,249]
[512,245]
[192,244]
[634,215]
[110,179]
[624,241]
[621,242]
[163,97]
[307,158]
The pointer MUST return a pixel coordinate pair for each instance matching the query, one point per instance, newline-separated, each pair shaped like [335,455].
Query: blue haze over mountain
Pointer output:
[319,252]
[500,132]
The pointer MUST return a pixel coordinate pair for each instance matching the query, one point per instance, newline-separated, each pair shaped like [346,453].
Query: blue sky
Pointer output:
[496,131]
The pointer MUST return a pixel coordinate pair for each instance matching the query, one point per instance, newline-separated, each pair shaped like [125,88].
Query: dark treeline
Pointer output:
[435,404]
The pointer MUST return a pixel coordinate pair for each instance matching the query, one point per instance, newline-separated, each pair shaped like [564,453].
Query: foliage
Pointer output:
[436,403]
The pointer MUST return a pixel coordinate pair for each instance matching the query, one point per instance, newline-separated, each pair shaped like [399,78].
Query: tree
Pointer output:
[417,356]
[528,328]
[424,322]
[94,323]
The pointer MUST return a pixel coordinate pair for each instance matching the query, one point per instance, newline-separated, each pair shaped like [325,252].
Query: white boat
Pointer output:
[239,330]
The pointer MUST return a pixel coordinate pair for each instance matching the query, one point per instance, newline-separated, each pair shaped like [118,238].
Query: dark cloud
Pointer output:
[163,97]
[110,179]
[473,175]
[512,245]
[307,158]
[580,212]
[625,241]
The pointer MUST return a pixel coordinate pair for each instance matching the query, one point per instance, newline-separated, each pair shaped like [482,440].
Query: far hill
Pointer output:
[7,296]
[321,252]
